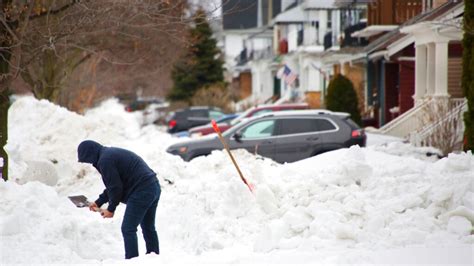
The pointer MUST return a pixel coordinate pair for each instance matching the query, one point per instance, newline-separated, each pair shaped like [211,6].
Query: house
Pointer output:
[436,39]
[247,37]
[374,75]
[305,33]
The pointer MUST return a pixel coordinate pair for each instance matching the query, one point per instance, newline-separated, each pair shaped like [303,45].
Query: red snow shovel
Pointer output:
[218,131]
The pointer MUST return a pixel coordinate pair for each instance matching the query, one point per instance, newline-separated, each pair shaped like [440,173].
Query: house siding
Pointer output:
[454,77]
[407,85]
[455,70]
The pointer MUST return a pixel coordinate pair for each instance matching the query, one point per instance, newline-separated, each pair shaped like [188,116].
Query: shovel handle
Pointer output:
[96,209]
[226,147]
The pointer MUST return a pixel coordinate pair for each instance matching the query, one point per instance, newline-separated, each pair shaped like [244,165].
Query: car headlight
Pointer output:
[183,149]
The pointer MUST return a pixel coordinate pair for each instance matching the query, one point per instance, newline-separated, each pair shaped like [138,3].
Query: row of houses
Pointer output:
[402,56]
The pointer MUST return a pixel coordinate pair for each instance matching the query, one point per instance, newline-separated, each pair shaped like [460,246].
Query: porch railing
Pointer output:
[451,122]
[407,122]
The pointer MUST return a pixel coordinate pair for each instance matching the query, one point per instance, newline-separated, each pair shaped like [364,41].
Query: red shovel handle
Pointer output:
[214,125]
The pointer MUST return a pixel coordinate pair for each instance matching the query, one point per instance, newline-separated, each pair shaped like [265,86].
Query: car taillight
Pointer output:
[357,133]
[128,109]
[172,123]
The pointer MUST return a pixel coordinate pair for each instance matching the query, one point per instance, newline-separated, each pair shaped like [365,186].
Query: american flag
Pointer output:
[288,75]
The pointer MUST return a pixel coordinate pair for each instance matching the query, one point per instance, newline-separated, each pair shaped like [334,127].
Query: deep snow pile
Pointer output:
[347,206]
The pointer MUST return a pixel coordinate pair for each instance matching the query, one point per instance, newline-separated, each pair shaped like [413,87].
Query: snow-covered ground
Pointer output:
[385,204]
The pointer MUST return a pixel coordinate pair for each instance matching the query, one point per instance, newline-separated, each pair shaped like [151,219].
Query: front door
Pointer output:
[256,138]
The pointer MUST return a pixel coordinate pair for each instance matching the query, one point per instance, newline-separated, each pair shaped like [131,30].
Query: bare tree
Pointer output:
[45,41]
[444,126]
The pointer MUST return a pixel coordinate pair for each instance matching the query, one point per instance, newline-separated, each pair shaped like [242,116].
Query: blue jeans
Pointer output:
[141,210]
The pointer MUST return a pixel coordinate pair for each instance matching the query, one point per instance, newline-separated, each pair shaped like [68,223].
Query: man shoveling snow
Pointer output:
[128,179]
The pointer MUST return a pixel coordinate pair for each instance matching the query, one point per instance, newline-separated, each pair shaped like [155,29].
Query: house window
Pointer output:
[329,24]
[315,27]
[300,34]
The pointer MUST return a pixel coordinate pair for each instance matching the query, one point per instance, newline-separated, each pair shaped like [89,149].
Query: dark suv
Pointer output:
[184,119]
[286,136]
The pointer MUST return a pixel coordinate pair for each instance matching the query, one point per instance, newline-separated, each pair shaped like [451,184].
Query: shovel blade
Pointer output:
[80,201]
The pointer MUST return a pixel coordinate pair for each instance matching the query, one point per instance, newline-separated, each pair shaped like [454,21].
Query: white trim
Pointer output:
[454,12]
[400,44]
[406,58]
[417,27]
[373,30]
[356,57]
[294,15]
[378,54]
[243,31]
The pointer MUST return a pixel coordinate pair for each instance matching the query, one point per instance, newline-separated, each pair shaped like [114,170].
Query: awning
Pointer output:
[294,15]
[332,4]
[373,30]
[320,4]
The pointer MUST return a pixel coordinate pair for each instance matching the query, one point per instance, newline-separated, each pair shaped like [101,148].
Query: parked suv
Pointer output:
[286,136]
[184,119]
[251,112]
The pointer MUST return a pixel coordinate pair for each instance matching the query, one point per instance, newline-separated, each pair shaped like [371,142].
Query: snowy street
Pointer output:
[387,203]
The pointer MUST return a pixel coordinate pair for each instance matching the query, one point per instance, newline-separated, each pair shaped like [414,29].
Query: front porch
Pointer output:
[436,117]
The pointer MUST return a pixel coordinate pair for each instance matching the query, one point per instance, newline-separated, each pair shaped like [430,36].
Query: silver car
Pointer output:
[285,136]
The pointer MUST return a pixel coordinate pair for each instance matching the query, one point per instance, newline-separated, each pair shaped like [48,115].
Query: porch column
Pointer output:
[420,73]
[343,69]
[441,72]
[430,71]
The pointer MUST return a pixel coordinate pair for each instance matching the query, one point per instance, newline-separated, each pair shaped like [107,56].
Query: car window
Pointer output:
[352,124]
[324,125]
[297,126]
[179,115]
[259,129]
[198,113]
[263,111]
[215,114]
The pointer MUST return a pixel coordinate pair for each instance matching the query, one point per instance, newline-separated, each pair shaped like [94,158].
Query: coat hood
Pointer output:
[88,152]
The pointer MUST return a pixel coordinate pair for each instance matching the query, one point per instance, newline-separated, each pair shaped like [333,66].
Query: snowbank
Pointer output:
[382,204]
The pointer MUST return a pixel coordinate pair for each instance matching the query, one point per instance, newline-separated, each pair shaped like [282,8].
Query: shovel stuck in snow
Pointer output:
[218,131]
[81,201]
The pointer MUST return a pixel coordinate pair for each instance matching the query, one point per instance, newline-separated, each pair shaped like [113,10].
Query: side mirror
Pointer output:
[238,136]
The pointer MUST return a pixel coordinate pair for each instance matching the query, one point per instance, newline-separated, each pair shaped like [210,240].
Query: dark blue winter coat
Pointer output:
[122,171]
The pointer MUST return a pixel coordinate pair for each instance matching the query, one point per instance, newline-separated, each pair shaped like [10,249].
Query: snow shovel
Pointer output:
[218,131]
[81,201]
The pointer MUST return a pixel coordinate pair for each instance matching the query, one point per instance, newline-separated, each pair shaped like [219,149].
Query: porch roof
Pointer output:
[390,39]
[332,4]
[345,54]
[373,30]
[293,15]
[320,4]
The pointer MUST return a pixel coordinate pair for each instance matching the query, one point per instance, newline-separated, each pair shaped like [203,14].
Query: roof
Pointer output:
[384,41]
[320,4]
[332,4]
[344,54]
[293,15]
[373,30]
